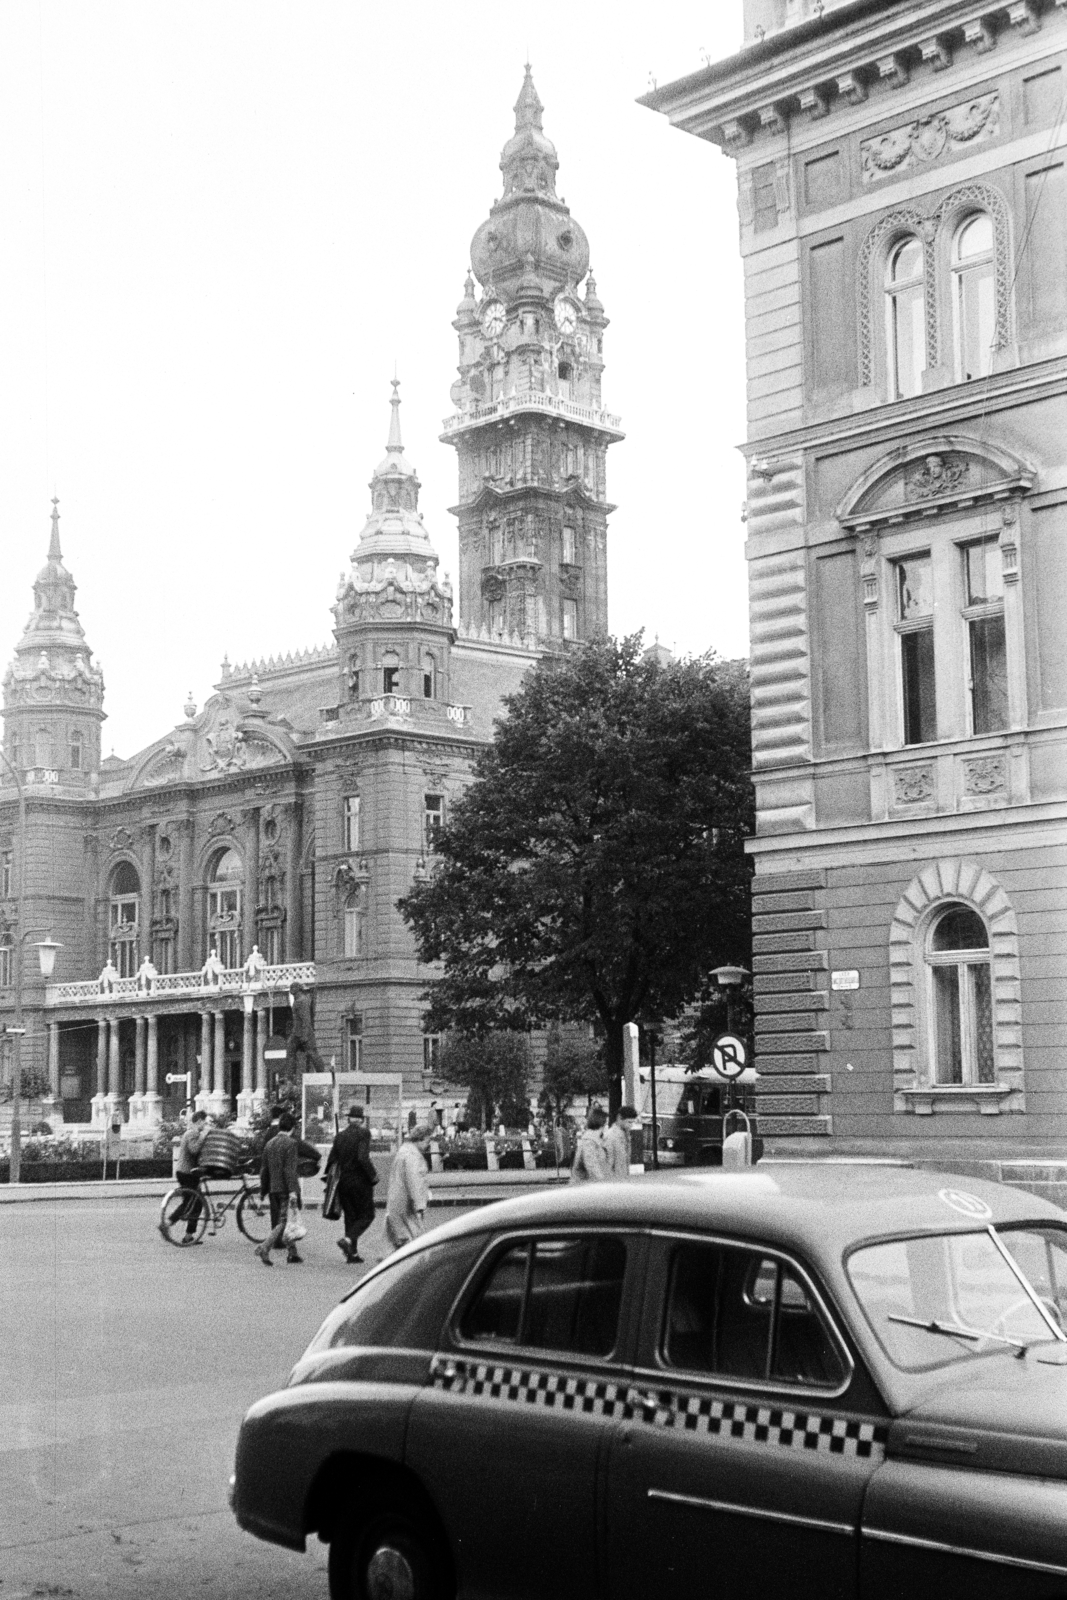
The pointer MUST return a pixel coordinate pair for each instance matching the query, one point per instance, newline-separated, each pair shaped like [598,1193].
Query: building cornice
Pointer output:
[832,61]
[903,834]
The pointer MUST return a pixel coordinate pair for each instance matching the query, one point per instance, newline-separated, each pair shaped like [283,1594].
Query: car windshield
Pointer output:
[951,1297]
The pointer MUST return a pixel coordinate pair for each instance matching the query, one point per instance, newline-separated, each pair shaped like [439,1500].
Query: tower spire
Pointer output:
[395,441]
[54,552]
[528,107]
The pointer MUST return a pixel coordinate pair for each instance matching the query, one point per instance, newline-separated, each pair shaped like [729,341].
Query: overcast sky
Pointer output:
[224,220]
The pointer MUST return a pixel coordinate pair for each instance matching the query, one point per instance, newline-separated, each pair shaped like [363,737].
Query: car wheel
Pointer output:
[392,1556]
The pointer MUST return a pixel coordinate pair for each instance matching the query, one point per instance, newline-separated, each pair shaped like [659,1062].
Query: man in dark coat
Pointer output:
[351,1156]
[279,1178]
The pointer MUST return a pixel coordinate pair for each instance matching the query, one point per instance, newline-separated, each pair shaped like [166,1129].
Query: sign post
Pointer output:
[183,1077]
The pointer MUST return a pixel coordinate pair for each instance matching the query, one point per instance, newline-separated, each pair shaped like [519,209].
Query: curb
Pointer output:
[446,1189]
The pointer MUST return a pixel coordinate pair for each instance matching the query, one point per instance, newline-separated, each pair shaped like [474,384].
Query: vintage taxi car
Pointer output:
[831,1381]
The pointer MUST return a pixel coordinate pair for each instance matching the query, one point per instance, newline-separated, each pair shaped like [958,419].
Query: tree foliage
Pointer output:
[495,1068]
[595,870]
[574,1067]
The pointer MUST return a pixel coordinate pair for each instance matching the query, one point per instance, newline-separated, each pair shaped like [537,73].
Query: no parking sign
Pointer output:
[729,1055]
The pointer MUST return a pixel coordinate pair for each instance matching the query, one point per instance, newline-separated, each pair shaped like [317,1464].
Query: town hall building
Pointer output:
[267,839]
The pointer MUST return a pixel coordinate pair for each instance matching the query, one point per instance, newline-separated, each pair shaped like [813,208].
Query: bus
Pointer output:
[691,1107]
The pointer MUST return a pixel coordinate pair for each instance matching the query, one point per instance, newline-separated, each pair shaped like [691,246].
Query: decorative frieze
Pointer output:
[985,775]
[913,785]
[927,139]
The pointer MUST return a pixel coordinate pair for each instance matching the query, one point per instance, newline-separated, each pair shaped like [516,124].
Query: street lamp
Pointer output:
[46,952]
[730,980]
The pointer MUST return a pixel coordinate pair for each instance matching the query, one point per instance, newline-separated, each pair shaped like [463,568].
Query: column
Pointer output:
[261,1060]
[152,1056]
[246,1097]
[52,1105]
[251,888]
[113,1079]
[137,1097]
[101,1056]
[294,888]
[220,1101]
[203,1094]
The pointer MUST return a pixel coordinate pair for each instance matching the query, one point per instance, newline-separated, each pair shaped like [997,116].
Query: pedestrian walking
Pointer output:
[409,1192]
[350,1155]
[591,1158]
[617,1141]
[279,1177]
[187,1171]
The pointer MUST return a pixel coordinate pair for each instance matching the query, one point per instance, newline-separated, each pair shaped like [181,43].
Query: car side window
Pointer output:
[562,1294]
[404,1306]
[741,1314]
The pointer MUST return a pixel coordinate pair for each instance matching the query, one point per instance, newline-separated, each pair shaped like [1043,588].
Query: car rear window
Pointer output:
[742,1314]
[560,1294]
[403,1306]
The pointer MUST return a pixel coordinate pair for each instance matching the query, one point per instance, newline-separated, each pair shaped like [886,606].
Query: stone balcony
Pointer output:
[533,400]
[178,989]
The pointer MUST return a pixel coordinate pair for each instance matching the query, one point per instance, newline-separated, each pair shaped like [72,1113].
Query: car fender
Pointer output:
[287,1438]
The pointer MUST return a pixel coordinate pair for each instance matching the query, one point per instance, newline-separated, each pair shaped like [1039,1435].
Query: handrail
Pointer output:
[231,981]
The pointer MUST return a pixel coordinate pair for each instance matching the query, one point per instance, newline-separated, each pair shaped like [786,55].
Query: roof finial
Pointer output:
[54,552]
[528,107]
[394,421]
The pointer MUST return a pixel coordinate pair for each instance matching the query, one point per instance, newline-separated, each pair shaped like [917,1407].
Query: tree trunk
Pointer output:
[614,1057]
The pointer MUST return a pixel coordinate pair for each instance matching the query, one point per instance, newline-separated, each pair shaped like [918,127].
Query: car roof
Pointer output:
[820,1207]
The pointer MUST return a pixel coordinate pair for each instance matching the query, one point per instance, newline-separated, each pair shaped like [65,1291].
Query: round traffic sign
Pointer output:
[728,1055]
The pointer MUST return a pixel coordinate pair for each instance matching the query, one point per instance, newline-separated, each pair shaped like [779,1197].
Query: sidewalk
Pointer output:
[446,1188]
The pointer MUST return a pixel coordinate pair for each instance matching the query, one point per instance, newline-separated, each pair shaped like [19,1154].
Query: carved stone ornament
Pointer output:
[225,747]
[913,785]
[121,839]
[938,475]
[985,775]
[927,139]
[221,822]
[350,877]
[166,766]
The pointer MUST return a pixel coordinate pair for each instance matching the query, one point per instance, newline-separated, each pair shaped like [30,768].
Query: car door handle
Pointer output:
[643,1402]
[448,1369]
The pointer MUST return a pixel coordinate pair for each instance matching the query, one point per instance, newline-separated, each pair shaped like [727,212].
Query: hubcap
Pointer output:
[390,1575]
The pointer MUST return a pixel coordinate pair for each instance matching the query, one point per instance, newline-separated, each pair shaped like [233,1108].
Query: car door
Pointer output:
[740,1464]
[508,1435]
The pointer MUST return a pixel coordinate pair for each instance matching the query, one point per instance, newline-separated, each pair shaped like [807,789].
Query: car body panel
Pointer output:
[286,1439]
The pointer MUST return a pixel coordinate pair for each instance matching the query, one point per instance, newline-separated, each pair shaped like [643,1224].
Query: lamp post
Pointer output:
[46,951]
[729,979]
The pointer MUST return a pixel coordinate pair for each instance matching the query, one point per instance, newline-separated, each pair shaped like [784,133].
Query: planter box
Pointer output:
[85,1171]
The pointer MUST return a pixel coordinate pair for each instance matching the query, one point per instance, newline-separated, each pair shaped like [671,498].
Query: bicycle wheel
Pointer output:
[253,1216]
[174,1214]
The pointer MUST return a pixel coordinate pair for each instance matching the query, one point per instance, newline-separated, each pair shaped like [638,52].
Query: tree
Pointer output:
[595,867]
[495,1067]
[574,1066]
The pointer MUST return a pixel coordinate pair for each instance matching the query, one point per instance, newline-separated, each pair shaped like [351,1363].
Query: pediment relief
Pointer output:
[223,742]
[948,472]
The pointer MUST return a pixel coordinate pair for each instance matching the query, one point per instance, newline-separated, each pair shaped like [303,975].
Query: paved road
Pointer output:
[125,1368]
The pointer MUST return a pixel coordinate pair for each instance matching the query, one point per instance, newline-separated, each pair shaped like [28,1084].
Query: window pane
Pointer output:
[575,1295]
[985,572]
[803,1349]
[949,1063]
[1042,1254]
[719,1312]
[989,674]
[960,928]
[496,1310]
[917,671]
[977,319]
[405,1306]
[975,238]
[915,588]
[980,979]
[907,262]
[908,324]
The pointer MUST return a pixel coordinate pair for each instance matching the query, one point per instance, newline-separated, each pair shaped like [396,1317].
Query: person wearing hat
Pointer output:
[409,1192]
[350,1154]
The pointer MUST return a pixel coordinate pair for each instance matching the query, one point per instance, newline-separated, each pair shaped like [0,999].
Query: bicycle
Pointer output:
[252,1211]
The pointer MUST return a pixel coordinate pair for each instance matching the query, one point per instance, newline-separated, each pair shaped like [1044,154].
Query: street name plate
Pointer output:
[845,980]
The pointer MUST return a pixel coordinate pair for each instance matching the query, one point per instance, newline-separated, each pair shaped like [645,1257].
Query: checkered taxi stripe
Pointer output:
[673,1408]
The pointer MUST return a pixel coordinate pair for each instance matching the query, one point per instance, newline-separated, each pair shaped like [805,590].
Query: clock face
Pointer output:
[566,316]
[493,319]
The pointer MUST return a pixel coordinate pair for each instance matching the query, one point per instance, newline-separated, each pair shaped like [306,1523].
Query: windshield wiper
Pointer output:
[956,1330]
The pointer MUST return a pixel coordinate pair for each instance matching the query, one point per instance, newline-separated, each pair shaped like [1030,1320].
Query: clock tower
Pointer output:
[529,426]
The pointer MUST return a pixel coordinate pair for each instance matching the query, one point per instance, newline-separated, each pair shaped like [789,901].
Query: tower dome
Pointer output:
[529,220]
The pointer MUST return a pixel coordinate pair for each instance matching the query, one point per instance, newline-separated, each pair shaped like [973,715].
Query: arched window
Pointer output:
[974,296]
[225,887]
[125,907]
[355,925]
[961,998]
[905,287]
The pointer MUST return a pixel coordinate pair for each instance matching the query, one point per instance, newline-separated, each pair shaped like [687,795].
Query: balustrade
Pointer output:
[230,981]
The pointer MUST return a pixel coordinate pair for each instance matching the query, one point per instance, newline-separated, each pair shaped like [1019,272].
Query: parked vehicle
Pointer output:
[805,1381]
[693,1114]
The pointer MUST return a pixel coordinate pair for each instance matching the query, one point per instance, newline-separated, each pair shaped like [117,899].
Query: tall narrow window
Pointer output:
[433,820]
[431,1054]
[7,880]
[224,907]
[961,998]
[390,673]
[15,752]
[352,820]
[6,954]
[125,902]
[75,750]
[570,619]
[43,748]
[353,1043]
[353,676]
[906,318]
[987,650]
[974,294]
[567,550]
[915,625]
[164,929]
[496,617]
[429,675]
